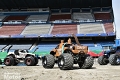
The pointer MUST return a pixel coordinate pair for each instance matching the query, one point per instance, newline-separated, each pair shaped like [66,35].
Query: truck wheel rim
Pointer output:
[28,61]
[7,61]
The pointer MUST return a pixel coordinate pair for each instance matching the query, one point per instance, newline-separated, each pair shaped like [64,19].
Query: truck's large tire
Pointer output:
[9,61]
[65,61]
[114,59]
[16,61]
[48,61]
[36,61]
[29,61]
[102,60]
[88,63]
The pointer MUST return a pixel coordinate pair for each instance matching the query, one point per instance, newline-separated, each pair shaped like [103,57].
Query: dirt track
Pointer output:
[98,72]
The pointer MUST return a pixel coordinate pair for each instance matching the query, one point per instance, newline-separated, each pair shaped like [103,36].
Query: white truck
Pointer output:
[13,58]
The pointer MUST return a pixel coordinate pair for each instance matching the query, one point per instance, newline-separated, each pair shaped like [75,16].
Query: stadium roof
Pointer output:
[20,4]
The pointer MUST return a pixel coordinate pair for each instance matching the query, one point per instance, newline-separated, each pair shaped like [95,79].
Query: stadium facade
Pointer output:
[31,24]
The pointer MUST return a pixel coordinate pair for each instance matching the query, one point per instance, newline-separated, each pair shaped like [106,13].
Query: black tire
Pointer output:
[102,60]
[88,63]
[16,61]
[48,61]
[29,61]
[9,61]
[114,59]
[36,61]
[65,61]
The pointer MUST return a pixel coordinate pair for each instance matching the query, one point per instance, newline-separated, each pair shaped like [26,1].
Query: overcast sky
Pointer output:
[116,9]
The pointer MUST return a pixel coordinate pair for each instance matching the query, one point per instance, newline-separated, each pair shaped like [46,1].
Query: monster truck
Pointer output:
[111,54]
[67,54]
[13,58]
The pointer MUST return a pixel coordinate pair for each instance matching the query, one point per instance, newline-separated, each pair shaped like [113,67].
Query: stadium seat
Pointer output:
[60,17]
[90,28]
[16,18]
[36,29]
[12,29]
[38,18]
[102,16]
[44,48]
[21,44]
[109,27]
[64,29]
[84,17]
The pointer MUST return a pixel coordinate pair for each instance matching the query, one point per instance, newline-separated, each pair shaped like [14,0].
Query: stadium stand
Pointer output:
[37,18]
[21,44]
[12,29]
[87,19]
[88,43]
[15,18]
[58,16]
[90,28]
[83,17]
[45,48]
[102,16]
[109,27]
[36,29]
[99,43]
[64,29]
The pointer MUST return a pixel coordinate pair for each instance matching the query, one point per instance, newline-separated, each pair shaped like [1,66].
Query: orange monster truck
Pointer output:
[66,54]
